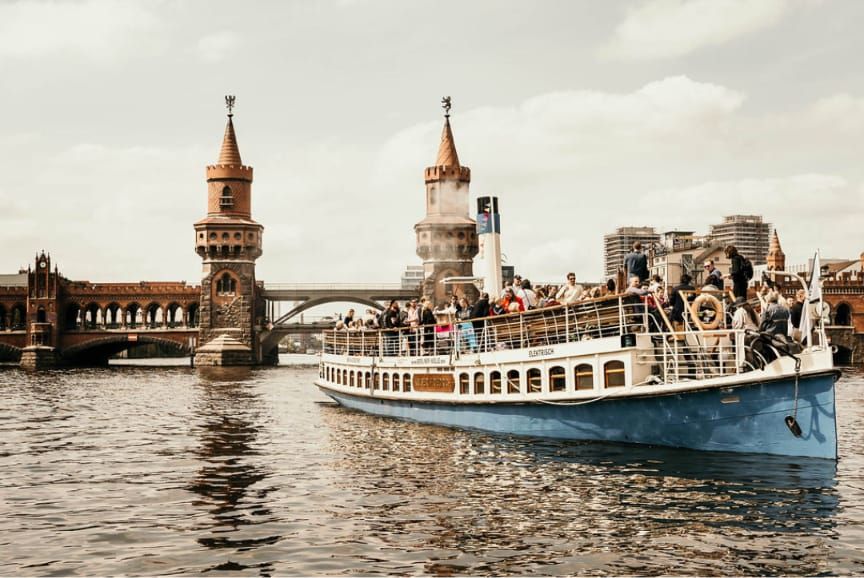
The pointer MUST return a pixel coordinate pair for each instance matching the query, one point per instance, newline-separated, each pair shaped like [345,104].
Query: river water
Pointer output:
[144,471]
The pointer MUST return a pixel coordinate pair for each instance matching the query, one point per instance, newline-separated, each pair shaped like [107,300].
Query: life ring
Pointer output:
[711,301]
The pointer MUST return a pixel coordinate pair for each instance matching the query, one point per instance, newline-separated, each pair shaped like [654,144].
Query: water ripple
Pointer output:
[245,472]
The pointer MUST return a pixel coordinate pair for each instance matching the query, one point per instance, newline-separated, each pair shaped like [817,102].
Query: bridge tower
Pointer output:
[447,236]
[43,294]
[228,240]
[776,260]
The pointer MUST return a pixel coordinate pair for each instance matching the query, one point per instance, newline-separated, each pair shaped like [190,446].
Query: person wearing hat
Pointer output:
[744,317]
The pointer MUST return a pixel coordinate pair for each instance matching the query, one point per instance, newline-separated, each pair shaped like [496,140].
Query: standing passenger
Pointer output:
[740,272]
[636,263]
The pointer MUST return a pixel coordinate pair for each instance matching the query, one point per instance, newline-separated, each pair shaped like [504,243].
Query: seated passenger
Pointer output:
[744,317]
[635,287]
[775,317]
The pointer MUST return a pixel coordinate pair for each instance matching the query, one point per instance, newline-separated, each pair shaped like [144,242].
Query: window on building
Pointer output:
[226,285]
[226,201]
[557,379]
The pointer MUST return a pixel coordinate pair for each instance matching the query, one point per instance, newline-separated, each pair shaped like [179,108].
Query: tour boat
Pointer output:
[601,369]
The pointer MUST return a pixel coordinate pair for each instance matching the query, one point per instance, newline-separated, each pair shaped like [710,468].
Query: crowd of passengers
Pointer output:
[778,316]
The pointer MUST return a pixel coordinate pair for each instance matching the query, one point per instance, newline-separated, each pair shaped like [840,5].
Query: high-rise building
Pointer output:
[749,234]
[616,246]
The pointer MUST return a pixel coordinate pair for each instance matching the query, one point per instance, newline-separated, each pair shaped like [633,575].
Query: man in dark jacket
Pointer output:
[427,321]
[737,272]
[390,322]
[677,301]
[636,263]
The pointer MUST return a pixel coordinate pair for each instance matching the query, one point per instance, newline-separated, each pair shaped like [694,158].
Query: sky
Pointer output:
[581,116]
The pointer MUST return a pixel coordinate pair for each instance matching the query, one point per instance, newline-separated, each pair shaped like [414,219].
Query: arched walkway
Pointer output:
[9,352]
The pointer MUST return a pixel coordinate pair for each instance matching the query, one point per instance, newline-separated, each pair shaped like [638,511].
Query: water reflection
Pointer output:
[488,504]
[233,480]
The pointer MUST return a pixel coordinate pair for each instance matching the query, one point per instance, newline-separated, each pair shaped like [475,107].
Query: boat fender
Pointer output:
[713,303]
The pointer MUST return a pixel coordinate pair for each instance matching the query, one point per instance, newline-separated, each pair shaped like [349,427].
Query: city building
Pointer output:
[413,277]
[749,233]
[616,245]
[681,252]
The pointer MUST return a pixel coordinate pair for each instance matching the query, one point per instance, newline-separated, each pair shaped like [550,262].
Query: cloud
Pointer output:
[658,29]
[98,29]
[218,46]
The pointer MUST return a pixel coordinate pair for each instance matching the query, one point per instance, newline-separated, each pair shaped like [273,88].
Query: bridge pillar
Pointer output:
[39,357]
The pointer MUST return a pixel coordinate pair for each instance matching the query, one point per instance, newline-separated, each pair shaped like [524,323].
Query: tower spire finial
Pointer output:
[445,104]
[229,103]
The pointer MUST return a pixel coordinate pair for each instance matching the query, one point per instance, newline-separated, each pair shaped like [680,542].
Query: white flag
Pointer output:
[814,302]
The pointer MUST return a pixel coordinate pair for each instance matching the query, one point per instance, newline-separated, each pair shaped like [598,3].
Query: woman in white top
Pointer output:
[744,316]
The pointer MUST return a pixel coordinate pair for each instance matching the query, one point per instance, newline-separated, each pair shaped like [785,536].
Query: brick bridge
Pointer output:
[89,322]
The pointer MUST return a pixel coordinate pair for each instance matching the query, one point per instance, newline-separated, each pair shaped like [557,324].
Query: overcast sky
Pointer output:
[581,116]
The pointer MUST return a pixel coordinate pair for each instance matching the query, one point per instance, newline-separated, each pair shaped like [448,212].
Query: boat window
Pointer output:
[584,376]
[406,382]
[495,382]
[368,380]
[327,373]
[464,383]
[395,382]
[344,377]
[479,383]
[339,376]
[351,382]
[513,381]
[614,371]
[386,382]
[557,379]
[376,380]
[534,380]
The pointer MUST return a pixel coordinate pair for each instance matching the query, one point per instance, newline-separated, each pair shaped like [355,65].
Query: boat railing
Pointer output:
[590,319]
[689,355]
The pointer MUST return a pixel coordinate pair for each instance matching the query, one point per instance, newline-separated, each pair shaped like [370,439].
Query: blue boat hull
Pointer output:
[747,419]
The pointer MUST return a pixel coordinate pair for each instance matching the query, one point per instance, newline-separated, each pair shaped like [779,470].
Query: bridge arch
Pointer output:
[324,300]
[98,350]
[843,314]
[9,352]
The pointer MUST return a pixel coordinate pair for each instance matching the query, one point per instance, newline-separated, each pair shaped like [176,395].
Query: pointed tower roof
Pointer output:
[447,156]
[774,248]
[230,153]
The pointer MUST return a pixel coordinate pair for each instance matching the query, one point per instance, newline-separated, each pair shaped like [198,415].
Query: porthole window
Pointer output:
[225,236]
[614,371]
[534,380]
[464,384]
[212,236]
[584,376]
[557,379]
[238,236]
